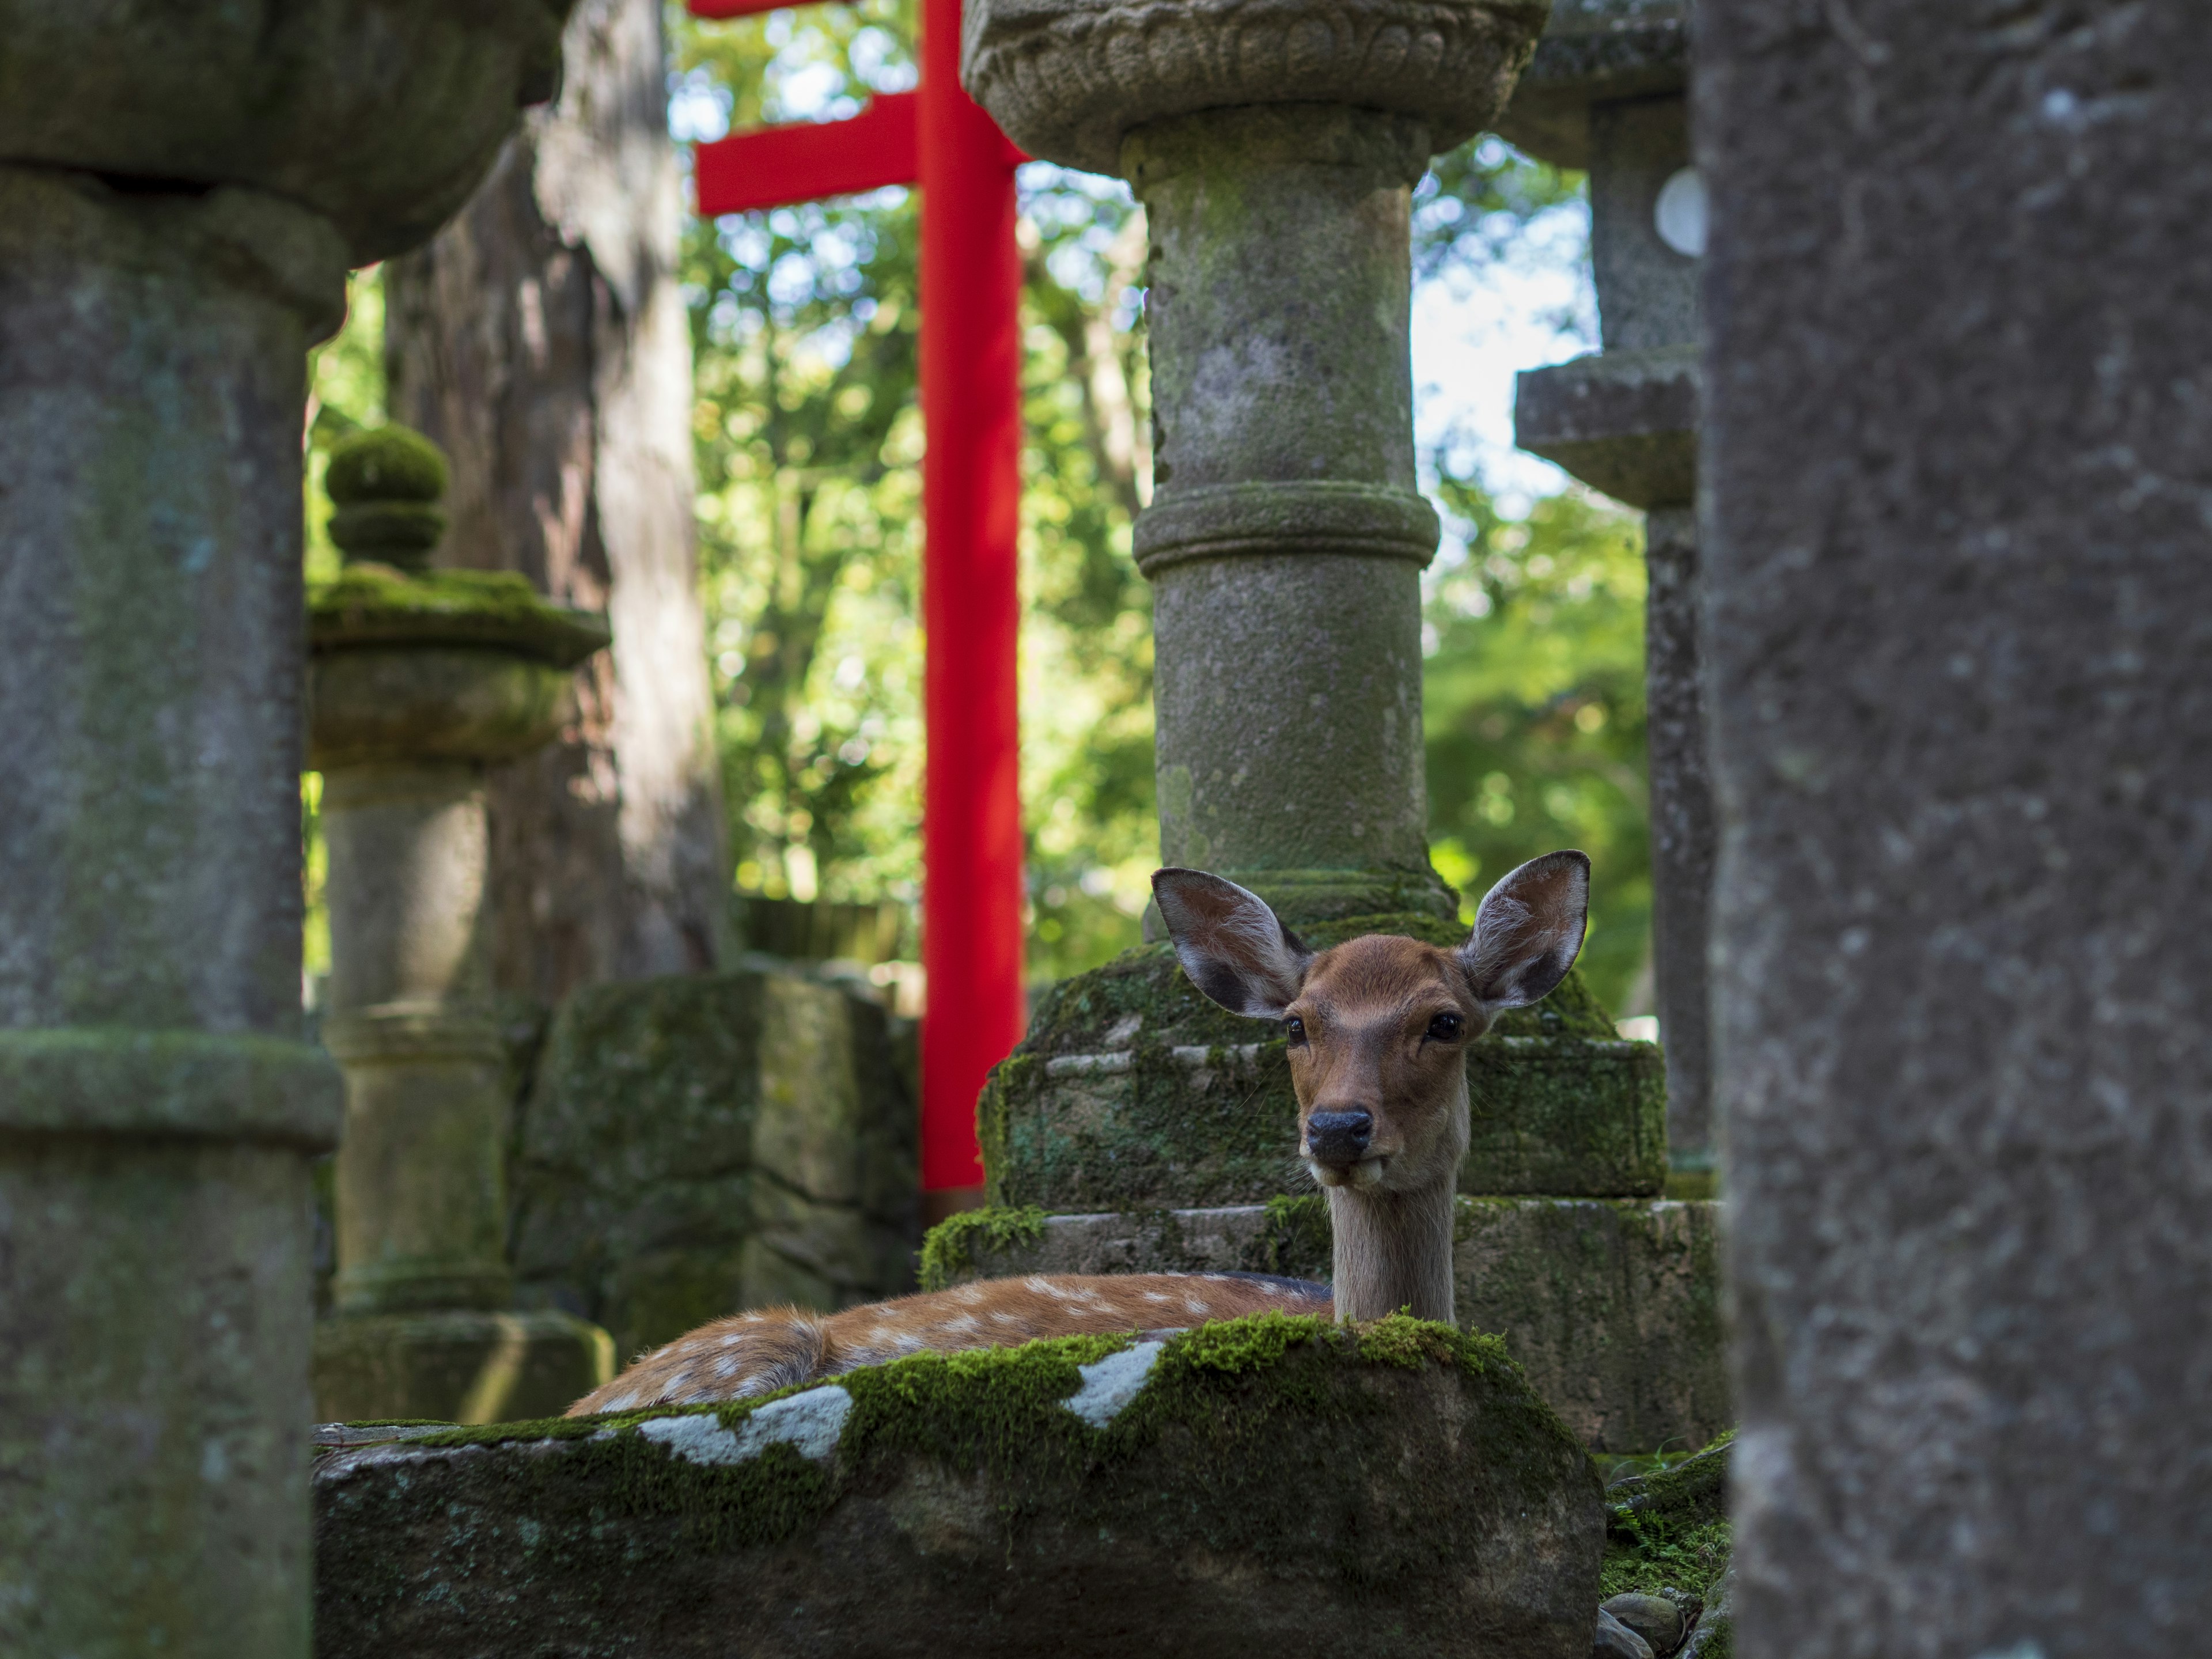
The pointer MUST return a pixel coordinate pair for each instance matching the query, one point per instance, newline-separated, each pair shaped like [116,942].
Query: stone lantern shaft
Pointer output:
[182,188]
[1275,149]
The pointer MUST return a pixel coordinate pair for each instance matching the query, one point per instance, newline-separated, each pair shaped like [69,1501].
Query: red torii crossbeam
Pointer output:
[940,138]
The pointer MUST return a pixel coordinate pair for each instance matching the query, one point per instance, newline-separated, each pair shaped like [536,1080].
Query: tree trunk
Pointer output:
[541,338]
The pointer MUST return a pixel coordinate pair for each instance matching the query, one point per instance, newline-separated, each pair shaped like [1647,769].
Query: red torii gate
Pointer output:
[940,138]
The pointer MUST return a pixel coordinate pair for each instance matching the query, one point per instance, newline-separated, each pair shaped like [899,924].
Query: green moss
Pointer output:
[1668,1528]
[947,1251]
[374,604]
[389,463]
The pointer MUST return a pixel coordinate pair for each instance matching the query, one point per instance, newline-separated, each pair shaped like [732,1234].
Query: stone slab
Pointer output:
[1613,1308]
[695,1144]
[1132,1090]
[1254,1487]
[1960,589]
[1625,422]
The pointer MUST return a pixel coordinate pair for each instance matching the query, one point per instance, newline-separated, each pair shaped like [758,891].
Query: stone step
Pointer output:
[1612,1306]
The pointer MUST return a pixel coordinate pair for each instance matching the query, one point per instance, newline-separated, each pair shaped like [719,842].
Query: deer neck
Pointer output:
[1394,1251]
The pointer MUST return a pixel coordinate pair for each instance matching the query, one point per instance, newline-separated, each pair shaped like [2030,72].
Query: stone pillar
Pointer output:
[1959,578]
[182,191]
[1607,92]
[1276,157]
[420,681]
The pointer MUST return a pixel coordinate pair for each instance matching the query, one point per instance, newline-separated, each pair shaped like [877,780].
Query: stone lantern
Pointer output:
[420,680]
[1607,91]
[183,185]
[1276,147]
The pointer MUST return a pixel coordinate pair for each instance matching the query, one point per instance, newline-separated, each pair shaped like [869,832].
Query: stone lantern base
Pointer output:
[456,1365]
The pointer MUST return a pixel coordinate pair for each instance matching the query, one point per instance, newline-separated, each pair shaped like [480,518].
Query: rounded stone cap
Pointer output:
[379,115]
[385,484]
[1066,79]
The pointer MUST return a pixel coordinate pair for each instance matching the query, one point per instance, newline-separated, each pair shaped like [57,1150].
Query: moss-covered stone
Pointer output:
[385,484]
[1396,1488]
[371,604]
[1668,1531]
[1133,1090]
[695,1144]
[1612,1306]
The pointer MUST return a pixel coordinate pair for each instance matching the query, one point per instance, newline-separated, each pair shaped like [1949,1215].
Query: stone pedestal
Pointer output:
[183,188]
[1606,92]
[419,682]
[1958,579]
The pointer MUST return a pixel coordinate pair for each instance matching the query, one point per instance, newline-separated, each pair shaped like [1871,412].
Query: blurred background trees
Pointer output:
[807,435]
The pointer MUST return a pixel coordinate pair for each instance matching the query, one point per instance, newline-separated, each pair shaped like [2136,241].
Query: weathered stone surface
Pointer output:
[378,115]
[695,1144]
[1684,840]
[1132,1090]
[466,1366]
[1066,82]
[1246,1488]
[1961,608]
[156,1106]
[1612,1308]
[1622,421]
[1592,51]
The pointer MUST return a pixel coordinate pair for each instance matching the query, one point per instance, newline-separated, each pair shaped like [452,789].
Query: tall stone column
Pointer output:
[420,681]
[1959,596]
[1607,92]
[182,187]
[1276,156]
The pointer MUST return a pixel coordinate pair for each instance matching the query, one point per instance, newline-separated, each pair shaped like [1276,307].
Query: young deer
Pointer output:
[1377,1030]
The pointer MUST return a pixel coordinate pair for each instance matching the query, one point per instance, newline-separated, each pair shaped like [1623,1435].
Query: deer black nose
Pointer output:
[1338,1137]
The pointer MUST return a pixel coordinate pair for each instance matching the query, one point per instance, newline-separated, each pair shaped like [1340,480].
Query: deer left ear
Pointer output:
[1528,931]
[1232,945]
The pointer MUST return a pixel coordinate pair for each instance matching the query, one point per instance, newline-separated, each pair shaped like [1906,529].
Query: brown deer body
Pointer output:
[1377,1029]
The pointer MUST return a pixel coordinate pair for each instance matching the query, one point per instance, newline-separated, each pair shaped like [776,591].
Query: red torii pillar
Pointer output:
[938,137]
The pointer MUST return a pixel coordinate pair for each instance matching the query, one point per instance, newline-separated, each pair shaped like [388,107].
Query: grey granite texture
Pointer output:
[1067,81]
[1959,596]
[1647,292]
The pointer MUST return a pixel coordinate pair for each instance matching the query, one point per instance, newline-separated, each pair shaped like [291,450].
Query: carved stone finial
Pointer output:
[1067,81]
[385,484]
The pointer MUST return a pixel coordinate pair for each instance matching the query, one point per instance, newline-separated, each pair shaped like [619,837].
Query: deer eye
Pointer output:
[1294,1030]
[1447,1028]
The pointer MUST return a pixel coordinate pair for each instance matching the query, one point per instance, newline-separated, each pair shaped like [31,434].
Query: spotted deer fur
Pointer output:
[1376,1030]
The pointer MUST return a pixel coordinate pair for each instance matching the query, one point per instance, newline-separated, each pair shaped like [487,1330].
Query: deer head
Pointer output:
[1377,1029]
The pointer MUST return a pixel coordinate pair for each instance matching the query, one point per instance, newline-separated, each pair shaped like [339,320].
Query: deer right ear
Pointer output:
[1528,931]
[1230,943]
